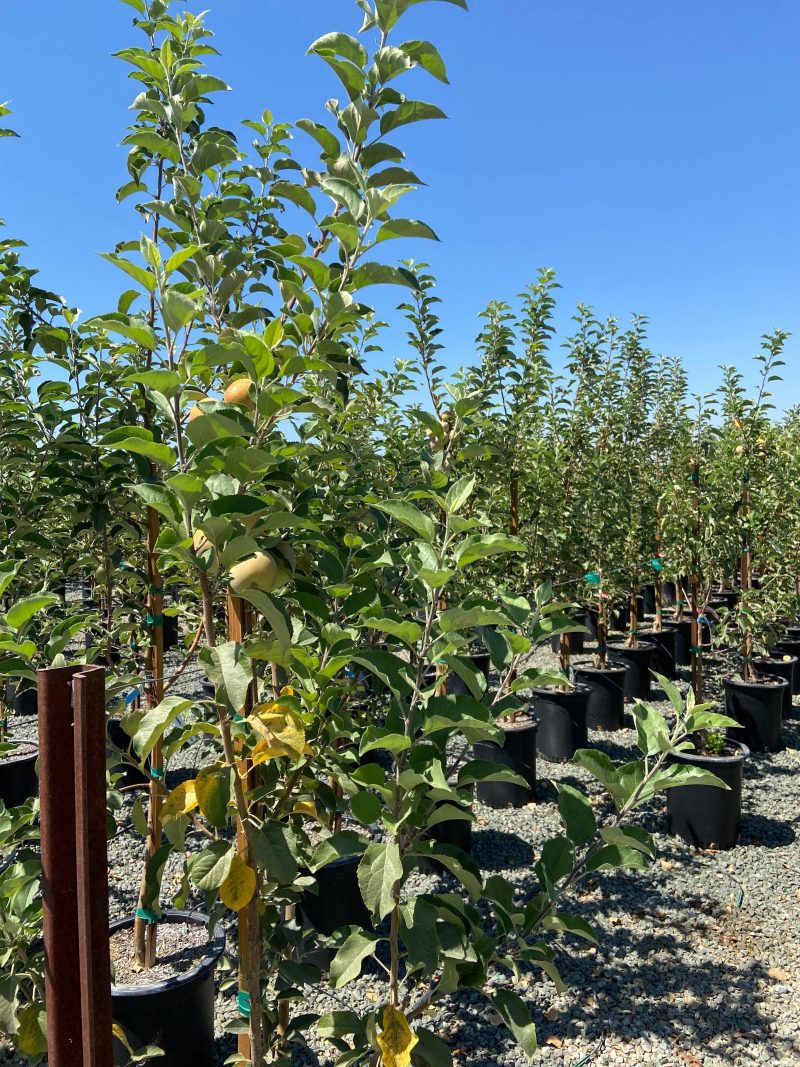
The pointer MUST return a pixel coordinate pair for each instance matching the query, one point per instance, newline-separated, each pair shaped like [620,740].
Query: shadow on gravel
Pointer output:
[496,850]
[646,981]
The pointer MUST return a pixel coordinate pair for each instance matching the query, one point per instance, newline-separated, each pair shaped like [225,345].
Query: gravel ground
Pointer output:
[699,958]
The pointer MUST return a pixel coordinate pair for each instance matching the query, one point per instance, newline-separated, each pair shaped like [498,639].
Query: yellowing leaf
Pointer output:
[305,807]
[282,730]
[213,788]
[237,890]
[181,801]
[396,1039]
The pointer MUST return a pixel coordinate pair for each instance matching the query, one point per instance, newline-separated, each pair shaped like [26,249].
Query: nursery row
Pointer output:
[368,566]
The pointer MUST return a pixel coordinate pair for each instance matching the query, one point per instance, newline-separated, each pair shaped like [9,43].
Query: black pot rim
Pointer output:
[695,757]
[776,683]
[615,668]
[775,657]
[573,690]
[216,947]
[532,722]
[641,646]
[23,757]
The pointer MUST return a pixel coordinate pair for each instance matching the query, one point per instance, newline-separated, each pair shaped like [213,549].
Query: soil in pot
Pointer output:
[705,815]
[758,708]
[605,709]
[339,901]
[663,658]
[171,1006]
[18,779]
[637,660]
[131,777]
[779,667]
[518,753]
[25,701]
[683,640]
[563,725]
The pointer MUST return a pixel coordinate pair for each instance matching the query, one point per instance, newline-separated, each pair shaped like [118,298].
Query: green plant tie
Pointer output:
[3,724]
[593,578]
[151,917]
[696,649]
[237,717]
[657,565]
[155,620]
[157,774]
[747,659]
[157,590]
[633,633]
[695,477]
[243,1004]
[602,648]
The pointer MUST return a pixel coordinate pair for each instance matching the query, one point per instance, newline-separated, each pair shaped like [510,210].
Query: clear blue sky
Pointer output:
[647,151]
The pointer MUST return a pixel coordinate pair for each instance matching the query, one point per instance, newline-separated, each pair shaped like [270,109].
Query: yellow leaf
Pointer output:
[237,890]
[181,801]
[282,730]
[213,789]
[396,1039]
[305,807]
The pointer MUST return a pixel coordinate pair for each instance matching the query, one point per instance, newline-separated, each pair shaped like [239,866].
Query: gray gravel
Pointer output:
[699,962]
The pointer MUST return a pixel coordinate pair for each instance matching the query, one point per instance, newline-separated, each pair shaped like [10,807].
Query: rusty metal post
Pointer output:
[59,873]
[91,855]
[72,747]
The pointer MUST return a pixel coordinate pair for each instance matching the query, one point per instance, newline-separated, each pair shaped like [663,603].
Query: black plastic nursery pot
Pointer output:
[605,709]
[683,640]
[787,647]
[727,598]
[663,658]
[456,686]
[649,600]
[563,721]
[795,661]
[576,641]
[758,708]
[705,815]
[209,689]
[170,632]
[339,901]
[518,754]
[456,832]
[18,779]
[176,1014]
[130,777]
[24,701]
[778,667]
[637,660]
[793,633]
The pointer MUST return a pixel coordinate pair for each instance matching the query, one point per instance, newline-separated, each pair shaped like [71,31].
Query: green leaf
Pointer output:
[418,933]
[458,494]
[577,814]
[378,872]
[343,193]
[274,851]
[562,922]
[178,309]
[24,610]
[381,274]
[404,630]
[409,515]
[427,56]
[8,572]
[231,672]
[652,732]
[140,274]
[161,381]
[346,964]
[612,857]
[482,547]
[140,442]
[408,112]
[457,862]
[630,837]
[396,228]
[555,862]
[431,1050]
[155,722]
[211,867]
[515,1014]
[366,807]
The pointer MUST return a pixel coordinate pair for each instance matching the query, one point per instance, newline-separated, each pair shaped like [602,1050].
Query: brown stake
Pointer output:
[239,626]
[514,509]
[91,856]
